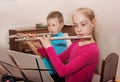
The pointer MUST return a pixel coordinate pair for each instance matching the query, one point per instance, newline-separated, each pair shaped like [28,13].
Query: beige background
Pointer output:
[26,13]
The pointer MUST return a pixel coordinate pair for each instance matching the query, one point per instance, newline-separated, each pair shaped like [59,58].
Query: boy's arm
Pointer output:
[34,47]
[37,48]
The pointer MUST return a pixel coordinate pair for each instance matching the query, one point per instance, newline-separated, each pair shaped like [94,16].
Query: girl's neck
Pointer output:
[86,41]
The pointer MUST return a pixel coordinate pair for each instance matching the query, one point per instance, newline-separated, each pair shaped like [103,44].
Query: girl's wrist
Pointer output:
[47,46]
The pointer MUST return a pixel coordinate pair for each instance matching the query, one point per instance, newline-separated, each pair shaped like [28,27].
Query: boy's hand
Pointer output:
[45,41]
[37,44]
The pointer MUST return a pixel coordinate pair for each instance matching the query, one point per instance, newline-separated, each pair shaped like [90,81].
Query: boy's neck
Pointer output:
[59,33]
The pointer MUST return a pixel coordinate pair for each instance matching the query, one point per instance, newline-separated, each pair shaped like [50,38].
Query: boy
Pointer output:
[55,23]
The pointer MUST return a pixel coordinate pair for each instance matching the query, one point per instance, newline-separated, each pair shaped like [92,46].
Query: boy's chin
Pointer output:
[51,32]
[54,32]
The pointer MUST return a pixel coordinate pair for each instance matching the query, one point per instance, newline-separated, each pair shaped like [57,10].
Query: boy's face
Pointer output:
[83,25]
[54,26]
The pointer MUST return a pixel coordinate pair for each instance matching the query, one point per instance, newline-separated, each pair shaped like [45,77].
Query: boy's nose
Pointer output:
[50,29]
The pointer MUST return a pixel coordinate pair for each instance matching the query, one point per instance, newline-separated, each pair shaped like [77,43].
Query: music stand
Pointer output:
[29,67]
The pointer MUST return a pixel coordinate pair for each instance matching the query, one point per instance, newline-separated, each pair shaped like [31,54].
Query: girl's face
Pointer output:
[82,24]
[54,26]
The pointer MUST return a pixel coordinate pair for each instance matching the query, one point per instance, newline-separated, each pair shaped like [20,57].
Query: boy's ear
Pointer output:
[62,25]
[94,22]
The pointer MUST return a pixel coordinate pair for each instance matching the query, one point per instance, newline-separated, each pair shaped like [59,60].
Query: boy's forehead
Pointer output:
[55,18]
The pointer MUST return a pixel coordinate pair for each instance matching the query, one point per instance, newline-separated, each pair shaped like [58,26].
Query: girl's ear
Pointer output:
[94,22]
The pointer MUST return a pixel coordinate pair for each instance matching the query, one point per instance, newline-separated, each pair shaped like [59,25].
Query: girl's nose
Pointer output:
[79,28]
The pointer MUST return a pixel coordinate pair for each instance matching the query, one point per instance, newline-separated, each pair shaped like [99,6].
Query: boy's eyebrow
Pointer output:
[74,23]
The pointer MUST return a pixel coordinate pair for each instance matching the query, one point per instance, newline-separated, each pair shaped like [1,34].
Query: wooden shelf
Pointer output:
[20,46]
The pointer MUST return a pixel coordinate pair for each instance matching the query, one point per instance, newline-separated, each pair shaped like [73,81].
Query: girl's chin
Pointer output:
[80,35]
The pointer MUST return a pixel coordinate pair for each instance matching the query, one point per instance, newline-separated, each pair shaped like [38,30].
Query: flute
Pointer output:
[24,35]
[54,38]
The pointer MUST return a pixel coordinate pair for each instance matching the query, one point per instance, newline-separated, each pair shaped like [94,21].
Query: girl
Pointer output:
[82,55]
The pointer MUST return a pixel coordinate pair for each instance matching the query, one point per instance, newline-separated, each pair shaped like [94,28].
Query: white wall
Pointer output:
[26,13]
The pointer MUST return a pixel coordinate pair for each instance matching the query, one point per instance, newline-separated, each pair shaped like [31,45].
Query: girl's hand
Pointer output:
[45,40]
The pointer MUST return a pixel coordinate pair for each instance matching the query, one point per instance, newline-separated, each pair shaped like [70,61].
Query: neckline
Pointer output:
[86,44]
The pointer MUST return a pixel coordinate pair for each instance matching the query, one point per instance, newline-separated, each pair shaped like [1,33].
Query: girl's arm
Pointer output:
[85,57]
[74,65]
[42,51]
[65,55]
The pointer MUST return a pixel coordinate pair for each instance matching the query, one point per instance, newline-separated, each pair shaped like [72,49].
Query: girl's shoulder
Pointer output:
[74,43]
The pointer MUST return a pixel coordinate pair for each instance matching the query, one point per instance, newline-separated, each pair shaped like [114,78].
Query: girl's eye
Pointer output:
[84,24]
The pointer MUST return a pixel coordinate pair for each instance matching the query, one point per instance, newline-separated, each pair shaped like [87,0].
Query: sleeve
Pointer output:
[42,52]
[65,55]
[61,42]
[59,46]
[74,65]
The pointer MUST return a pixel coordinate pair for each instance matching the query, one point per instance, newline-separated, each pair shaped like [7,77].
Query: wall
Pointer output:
[26,13]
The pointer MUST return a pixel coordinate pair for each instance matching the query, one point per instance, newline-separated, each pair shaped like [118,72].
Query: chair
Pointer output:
[108,69]
[68,41]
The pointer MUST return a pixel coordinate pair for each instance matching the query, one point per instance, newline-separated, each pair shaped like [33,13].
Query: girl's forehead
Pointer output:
[80,17]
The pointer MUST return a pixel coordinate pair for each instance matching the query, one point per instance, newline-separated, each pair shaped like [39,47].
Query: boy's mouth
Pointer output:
[51,32]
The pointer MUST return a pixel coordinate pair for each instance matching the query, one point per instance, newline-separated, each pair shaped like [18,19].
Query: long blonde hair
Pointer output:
[90,14]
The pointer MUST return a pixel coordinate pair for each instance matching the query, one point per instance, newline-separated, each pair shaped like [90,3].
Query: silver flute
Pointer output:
[53,38]
[25,35]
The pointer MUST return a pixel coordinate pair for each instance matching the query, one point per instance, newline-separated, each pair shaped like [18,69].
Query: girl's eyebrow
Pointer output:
[81,21]
[84,21]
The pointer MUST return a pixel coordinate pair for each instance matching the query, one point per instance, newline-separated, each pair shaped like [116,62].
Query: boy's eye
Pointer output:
[75,25]
[48,25]
[53,25]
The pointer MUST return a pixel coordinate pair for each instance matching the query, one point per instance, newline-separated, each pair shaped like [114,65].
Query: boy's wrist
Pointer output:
[28,42]
[37,44]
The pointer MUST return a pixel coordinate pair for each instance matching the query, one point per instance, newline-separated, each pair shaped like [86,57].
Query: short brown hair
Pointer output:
[56,14]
